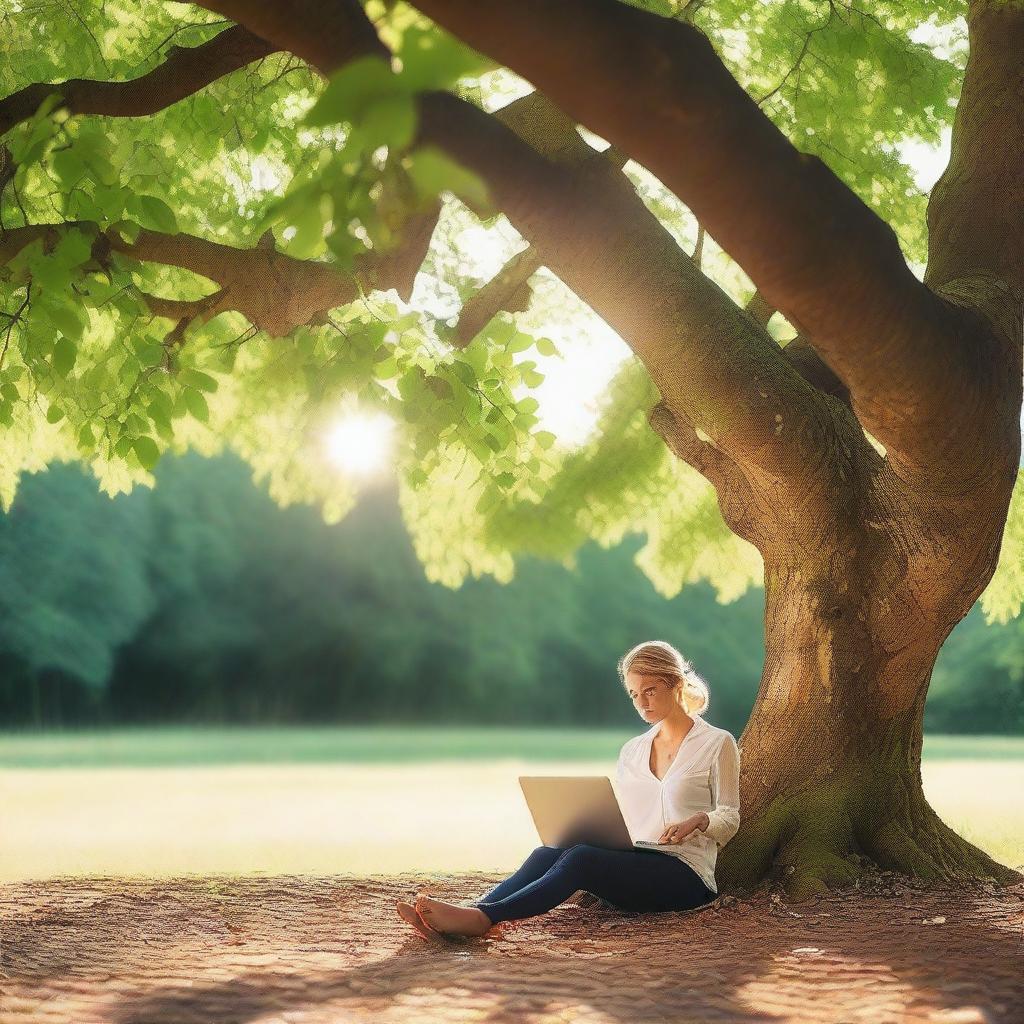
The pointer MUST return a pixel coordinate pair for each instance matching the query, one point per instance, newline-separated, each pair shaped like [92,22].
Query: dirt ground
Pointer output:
[307,950]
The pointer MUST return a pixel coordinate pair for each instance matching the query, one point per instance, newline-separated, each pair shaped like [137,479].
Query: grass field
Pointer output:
[355,744]
[359,800]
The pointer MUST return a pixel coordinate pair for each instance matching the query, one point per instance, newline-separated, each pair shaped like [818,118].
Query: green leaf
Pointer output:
[225,360]
[94,147]
[64,316]
[390,122]
[532,378]
[68,166]
[469,404]
[196,404]
[386,369]
[433,59]
[198,380]
[546,347]
[147,451]
[432,172]
[30,141]
[439,388]
[50,275]
[259,140]
[479,450]
[352,90]
[180,406]
[54,414]
[156,214]
[344,246]
[135,424]
[64,355]
[128,230]
[73,249]
[410,384]
[150,354]
[160,402]
[164,429]
[208,113]
[128,373]
[519,343]
[545,438]
[308,221]
[464,372]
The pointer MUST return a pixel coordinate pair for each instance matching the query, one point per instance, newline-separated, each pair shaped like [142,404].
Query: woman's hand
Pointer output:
[678,831]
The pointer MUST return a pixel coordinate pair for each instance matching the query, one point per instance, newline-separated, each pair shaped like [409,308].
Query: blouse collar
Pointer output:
[698,723]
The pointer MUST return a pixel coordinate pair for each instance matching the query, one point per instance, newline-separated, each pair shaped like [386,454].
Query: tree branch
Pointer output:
[185,312]
[735,497]
[186,71]
[8,168]
[711,362]
[760,309]
[325,35]
[775,210]
[655,87]
[976,209]
[806,361]
[507,290]
[542,125]
[683,441]
[275,292]
[698,249]
[802,355]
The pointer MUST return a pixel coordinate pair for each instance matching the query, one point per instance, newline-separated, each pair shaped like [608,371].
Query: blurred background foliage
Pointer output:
[202,601]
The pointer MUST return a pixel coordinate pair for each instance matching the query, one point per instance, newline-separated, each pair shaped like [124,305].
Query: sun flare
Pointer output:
[361,442]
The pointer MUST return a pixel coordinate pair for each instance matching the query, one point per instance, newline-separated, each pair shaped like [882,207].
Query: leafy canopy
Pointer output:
[92,370]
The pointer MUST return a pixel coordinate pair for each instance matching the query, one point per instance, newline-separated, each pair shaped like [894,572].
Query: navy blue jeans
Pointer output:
[635,880]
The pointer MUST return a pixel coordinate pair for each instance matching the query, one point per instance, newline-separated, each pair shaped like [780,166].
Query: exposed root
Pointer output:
[816,870]
[894,849]
[935,853]
[827,838]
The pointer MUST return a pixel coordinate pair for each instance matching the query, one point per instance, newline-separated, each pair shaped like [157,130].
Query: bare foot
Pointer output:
[450,919]
[407,912]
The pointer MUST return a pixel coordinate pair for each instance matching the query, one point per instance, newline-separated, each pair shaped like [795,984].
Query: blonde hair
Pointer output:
[658,658]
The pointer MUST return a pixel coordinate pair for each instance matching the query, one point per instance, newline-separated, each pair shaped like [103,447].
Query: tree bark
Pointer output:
[976,210]
[832,750]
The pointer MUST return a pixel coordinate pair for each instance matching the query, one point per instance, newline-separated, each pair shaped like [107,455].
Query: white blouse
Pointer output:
[704,776]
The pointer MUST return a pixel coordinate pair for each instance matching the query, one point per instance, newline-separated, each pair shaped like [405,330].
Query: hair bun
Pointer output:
[660,658]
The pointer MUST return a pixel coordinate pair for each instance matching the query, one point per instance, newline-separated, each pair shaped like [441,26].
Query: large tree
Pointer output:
[799,398]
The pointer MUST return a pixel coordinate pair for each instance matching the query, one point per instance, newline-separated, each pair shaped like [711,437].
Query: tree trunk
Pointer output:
[831,755]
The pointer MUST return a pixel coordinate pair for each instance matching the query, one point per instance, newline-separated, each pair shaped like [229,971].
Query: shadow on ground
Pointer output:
[312,950]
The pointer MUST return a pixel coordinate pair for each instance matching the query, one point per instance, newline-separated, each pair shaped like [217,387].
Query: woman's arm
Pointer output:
[724,818]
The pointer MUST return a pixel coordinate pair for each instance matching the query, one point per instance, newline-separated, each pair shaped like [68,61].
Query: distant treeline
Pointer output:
[202,601]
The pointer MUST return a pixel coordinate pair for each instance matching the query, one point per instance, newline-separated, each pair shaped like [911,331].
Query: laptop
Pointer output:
[571,809]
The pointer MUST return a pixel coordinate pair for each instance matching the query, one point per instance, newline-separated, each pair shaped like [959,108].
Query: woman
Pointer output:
[677,784]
